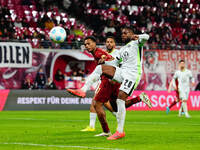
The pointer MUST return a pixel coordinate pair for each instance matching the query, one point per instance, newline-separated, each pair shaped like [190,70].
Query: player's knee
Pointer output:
[122,95]
[108,71]
[96,105]
[92,109]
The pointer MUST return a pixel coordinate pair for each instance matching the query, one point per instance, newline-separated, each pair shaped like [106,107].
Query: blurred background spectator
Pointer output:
[40,80]
[28,84]
[50,84]
[59,79]
[59,75]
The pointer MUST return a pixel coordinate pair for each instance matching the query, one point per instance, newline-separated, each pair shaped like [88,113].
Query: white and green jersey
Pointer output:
[131,55]
[183,78]
[116,60]
[129,73]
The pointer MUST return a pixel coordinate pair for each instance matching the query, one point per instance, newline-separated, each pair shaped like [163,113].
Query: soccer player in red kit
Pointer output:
[108,89]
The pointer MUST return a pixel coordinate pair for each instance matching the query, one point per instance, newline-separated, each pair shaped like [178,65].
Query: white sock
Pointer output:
[121,114]
[114,114]
[180,110]
[92,78]
[185,109]
[93,117]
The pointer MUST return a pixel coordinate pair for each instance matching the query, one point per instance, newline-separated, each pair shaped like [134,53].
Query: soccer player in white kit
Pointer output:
[181,83]
[128,74]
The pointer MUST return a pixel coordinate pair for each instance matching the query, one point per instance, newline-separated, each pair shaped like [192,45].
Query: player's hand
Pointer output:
[169,90]
[135,37]
[102,60]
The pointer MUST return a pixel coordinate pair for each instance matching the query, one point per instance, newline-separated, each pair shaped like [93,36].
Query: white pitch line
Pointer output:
[129,122]
[25,119]
[132,122]
[61,146]
[154,123]
[35,119]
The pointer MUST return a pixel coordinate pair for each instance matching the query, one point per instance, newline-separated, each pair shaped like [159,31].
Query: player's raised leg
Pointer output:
[142,97]
[92,78]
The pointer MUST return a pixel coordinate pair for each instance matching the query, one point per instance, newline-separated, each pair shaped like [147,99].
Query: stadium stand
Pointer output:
[175,23]
[32,24]
[171,24]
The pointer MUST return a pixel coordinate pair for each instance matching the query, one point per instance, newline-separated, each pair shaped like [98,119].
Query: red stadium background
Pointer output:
[159,66]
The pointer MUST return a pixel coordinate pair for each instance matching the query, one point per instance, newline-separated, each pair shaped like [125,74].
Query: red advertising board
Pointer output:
[162,99]
[3,98]
[29,100]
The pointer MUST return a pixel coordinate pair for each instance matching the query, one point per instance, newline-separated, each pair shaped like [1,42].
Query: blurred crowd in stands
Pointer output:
[41,81]
[172,24]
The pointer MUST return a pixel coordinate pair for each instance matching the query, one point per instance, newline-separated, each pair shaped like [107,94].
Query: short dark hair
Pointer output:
[112,37]
[129,28]
[91,38]
[182,61]
[133,29]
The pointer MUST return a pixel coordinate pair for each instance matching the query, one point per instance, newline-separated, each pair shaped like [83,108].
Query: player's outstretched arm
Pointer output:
[143,38]
[172,85]
[192,79]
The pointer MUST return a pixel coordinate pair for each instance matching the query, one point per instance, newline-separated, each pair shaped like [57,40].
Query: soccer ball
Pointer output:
[57,34]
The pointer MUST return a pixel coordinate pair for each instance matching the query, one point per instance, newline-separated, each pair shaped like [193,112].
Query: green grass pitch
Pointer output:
[60,130]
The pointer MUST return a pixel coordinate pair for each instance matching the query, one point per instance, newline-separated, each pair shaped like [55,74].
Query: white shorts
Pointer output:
[183,94]
[128,80]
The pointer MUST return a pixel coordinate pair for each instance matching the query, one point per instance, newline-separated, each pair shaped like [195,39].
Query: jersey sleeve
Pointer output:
[98,54]
[191,77]
[108,56]
[116,61]
[101,52]
[143,38]
[118,56]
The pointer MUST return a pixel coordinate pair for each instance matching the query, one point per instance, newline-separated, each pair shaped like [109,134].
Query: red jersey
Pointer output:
[99,53]
[108,89]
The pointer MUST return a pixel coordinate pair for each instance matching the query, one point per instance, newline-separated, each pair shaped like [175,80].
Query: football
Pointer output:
[57,34]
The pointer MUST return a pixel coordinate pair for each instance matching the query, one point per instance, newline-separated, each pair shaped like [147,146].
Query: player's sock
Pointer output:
[185,109]
[114,114]
[93,77]
[180,110]
[172,104]
[105,127]
[132,101]
[93,117]
[121,114]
